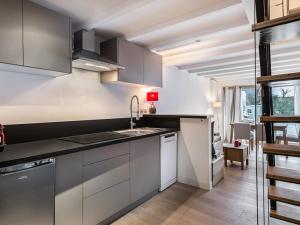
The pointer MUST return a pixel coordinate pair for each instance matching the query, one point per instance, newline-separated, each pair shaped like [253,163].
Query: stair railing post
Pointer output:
[267,104]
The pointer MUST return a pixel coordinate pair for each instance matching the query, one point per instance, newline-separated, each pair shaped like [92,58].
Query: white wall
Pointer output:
[184,93]
[194,153]
[28,98]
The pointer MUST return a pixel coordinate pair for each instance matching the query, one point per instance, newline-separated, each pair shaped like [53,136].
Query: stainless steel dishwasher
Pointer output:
[27,193]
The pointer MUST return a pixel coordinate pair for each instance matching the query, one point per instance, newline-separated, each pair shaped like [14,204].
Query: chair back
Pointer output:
[242,131]
[260,132]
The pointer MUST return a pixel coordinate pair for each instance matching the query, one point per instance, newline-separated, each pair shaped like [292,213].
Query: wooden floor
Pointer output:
[231,202]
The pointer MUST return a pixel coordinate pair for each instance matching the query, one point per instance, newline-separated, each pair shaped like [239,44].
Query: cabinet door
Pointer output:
[99,207]
[104,153]
[130,56]
[105,174]
[68,190]
[144,167]
[47,42]
[152,69]
[11,32]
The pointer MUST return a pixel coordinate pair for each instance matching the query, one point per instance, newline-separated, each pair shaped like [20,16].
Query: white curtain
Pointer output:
[231,103]
[238,111]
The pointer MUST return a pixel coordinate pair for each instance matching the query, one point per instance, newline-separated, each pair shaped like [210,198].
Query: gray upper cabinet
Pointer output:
[128,55]
[11,32]
[144,167]
[141,65]
[131,57]
[152,69]
[47,38]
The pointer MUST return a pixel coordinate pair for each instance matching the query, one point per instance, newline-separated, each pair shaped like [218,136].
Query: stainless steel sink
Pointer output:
[138,131]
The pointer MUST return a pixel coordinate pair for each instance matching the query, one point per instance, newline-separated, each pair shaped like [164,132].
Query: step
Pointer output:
[283,174]
[284,195]
[286,214]
[279,149]
[280,80]
[279,29]
[280,119]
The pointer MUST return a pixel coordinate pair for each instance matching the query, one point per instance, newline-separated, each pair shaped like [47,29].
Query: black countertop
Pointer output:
[199,116]
[30,151]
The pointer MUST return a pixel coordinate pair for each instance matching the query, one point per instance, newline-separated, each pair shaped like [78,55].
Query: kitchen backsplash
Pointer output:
[26,98]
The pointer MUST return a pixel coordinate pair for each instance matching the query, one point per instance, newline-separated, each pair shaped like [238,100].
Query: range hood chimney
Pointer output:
[85,55]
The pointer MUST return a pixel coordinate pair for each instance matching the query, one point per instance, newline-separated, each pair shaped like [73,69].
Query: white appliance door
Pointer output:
[168,160]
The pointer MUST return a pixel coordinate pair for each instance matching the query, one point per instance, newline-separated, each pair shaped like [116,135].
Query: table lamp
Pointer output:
[152,97]
[217,104]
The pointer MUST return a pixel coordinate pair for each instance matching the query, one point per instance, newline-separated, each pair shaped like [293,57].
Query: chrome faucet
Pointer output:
[132,124]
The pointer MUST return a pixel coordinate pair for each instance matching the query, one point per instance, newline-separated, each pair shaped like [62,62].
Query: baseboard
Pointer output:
[195,183]
[165,186]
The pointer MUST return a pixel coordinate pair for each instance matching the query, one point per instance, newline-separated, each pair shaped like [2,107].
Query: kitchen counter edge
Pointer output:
[199,116]
[9,155]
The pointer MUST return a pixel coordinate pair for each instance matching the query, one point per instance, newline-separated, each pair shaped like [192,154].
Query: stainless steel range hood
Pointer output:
[85,55]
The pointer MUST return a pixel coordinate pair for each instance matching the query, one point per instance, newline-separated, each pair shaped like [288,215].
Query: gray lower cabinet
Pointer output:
[152,69]
[68,189]
[106,189]
[144,167]
[11,32]
[102,175]
[104,204]
[106,186]
[93,185]
[103,153]
[47,38]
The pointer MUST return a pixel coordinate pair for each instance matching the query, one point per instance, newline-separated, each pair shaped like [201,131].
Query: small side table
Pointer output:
[238,154]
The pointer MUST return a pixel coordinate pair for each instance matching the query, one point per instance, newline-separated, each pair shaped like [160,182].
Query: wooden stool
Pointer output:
[238,154]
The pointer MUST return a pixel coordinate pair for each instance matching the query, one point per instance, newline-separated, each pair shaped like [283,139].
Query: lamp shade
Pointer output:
[217,104]
[152,96]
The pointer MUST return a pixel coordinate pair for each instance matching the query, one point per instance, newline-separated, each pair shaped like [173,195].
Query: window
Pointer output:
[284,104]
[283,100]
[247,98]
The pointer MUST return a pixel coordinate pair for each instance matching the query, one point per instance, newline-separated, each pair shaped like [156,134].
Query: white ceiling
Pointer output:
[206,37]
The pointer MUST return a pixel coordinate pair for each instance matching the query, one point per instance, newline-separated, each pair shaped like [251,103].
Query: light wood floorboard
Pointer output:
[231,202]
